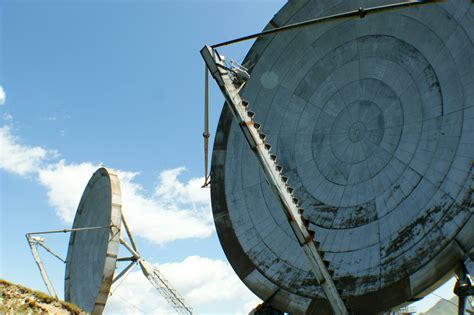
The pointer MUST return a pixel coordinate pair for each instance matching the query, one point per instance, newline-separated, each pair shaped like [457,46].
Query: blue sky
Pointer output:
[112,82]
[118,83]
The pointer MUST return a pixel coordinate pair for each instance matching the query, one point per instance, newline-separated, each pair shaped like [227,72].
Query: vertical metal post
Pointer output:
[206,133]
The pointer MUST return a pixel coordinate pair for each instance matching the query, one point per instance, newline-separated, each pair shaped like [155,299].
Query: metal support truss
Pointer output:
[161,284]
[230,81]
[174,299]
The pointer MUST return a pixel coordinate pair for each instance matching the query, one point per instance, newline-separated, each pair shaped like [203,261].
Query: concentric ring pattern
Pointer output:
[92,254]
[372,120]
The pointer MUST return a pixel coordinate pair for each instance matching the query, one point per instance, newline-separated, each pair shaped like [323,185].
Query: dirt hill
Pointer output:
[16,299]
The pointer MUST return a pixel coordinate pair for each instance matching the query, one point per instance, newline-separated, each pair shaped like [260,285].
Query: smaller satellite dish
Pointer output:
[92,256]
[93,248]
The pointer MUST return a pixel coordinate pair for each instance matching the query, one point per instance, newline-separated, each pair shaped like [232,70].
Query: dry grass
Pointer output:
[17,299]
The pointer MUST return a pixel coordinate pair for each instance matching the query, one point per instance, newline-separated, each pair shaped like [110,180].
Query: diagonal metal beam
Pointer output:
[125,270]
[127,229]
[41,243]
[230,86]
[34,251]
[361,12]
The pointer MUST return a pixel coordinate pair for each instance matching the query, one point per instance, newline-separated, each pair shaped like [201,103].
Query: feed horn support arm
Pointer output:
[230,83]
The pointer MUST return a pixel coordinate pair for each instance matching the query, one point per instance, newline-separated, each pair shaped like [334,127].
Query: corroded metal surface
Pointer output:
[92,254]
[372,120]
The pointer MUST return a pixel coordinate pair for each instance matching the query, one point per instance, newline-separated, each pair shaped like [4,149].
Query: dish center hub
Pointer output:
[357,131]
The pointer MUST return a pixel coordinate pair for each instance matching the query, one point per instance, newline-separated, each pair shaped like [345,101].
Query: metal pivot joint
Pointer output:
[231,80]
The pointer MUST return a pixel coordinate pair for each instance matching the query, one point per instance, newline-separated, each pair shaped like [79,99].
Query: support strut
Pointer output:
[34,242]
[361,13]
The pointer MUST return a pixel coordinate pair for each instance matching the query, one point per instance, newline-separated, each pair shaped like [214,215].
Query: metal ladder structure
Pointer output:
[161,284]
[231,80]
[153,274]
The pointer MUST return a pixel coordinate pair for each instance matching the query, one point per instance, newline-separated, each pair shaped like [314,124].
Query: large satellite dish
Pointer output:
[372,122]
[92,256]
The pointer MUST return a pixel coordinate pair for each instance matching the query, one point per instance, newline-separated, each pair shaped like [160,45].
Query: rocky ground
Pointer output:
[15,299]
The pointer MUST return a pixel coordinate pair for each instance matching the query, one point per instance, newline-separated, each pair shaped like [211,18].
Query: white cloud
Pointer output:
[210,286]
[177,211]
[3,96]
[18,158]
[65,184]
[171,189]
